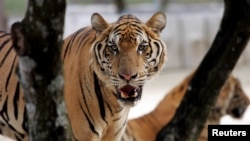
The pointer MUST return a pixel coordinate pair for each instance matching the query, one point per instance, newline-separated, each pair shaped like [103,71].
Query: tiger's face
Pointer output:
[128,52]
[232,100]
[239,101]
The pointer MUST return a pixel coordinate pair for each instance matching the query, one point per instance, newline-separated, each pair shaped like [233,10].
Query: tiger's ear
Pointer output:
[157,22]
[98,23]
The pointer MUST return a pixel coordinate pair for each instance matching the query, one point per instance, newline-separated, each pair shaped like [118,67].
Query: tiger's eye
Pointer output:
[114,48]
[141,47]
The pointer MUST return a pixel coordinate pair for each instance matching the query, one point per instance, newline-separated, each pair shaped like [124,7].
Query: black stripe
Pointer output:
[117,119]
[119,130]
[84,38]
[16,101]
[92,127]
[117,133]
[135,25]
[69,45]
[99,47]
[116,29]
[3,112]
[99,97]
[114,94]
[97,53]
[84,98]
[4,34]
[163,47]
[153,60]
[6,55]
[158,48]
[10,73]
[139,30]
[128,132]
[4,43]
[151,49]
[25,124]
[109,107]
[119,110]
[18,138]
[87,88]
[134,139]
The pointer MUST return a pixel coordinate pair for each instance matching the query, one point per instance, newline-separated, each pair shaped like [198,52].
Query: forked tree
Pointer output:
[203,90]
[38,38]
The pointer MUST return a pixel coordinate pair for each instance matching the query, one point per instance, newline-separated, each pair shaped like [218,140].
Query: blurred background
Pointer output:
[191,28]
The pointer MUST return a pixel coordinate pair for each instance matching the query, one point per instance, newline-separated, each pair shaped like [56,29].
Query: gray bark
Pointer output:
[37,40]
[212,73]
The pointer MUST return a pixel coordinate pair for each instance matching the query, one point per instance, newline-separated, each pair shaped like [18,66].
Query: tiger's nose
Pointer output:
[238,112]
[127,76]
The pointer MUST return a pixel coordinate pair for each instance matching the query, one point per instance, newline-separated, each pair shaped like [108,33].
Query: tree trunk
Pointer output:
[3,18]
[212,73]
[120,6]
[37,40]
[163,5]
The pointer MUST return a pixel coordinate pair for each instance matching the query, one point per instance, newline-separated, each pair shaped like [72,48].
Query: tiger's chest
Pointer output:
[94,111]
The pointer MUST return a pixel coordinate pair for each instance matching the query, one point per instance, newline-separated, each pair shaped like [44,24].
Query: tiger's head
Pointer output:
[232,101]
[128,52]
[239,101]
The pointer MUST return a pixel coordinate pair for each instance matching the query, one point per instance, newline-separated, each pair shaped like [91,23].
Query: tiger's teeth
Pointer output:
[135,94]
[124,95]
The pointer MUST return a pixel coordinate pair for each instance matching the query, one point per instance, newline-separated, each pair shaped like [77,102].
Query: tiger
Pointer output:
[105,67]
[232,100]
[13,122]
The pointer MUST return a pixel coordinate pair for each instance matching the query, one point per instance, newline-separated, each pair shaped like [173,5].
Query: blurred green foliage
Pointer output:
[18,7]
[15,7]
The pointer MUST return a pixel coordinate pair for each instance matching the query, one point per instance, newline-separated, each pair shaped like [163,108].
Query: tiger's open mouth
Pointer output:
[129,94]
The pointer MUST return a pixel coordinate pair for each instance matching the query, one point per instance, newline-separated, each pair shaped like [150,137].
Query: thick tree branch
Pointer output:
[212,73]
[37,41]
